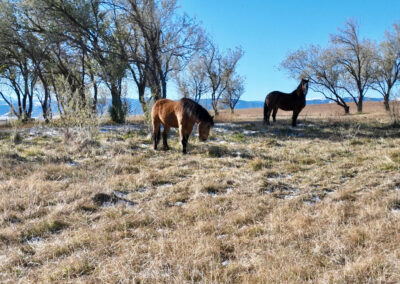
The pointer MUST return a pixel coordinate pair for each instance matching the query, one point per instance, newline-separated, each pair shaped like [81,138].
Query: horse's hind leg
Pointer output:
[267,112]
[165,136]
[274,114]
[156,132]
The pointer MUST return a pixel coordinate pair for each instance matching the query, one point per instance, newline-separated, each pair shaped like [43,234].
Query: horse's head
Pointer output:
[204,129]
[304,86]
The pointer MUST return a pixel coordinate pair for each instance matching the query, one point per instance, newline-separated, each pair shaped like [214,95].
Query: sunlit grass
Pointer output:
[319,203]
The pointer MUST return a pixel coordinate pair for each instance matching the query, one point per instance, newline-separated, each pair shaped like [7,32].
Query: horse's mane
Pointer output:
[299,89]
[196,111]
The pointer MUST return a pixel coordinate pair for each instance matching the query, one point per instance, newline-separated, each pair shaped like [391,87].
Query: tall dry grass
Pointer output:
[319,203]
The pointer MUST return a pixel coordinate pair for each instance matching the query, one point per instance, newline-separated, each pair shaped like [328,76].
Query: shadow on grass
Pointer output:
[313,129]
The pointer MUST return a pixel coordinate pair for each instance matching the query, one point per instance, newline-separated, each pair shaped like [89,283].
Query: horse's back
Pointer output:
[280,100]
[165,111]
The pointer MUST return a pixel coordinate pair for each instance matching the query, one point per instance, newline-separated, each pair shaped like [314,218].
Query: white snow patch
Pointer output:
[226,263]
[165,185]
[120,193]
[119,128]
[229,189]
[289,196]
[249,132]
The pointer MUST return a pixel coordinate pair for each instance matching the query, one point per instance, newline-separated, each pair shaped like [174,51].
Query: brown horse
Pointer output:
[294,101]
[182,114]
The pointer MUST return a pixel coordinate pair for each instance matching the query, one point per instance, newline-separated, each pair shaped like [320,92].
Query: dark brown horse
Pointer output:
[182,114]
[294,101]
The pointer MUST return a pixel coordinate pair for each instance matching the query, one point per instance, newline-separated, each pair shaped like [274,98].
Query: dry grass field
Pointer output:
[319,203]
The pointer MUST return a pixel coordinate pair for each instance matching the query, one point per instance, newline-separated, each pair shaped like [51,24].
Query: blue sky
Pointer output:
[268,30]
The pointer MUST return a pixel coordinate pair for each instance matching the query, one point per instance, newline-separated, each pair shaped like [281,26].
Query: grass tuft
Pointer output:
[41,229]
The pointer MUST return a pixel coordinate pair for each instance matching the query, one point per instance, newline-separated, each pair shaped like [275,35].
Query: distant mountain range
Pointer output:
[135,107]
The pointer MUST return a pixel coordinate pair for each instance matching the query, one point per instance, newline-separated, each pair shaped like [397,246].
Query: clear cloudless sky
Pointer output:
[267,30]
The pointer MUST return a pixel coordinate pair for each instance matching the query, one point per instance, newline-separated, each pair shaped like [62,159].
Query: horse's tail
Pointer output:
[155,123]
[265,111]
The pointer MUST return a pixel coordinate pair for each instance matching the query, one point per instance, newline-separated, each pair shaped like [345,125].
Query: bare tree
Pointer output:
[139,65]
[356,56]
[387,71]
[181,38]
[321,67]
[193,82]
[219,68]
[234,90]
[134,45]
[170,40]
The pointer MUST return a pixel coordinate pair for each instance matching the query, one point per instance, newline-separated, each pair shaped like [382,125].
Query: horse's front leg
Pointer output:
[294,118]
[184,138]
[165,136]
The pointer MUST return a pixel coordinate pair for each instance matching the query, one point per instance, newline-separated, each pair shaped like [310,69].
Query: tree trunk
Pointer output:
[95,92]
[45,102]
[386,102]
[346,109]
[83,73]
[25,116]
[360,105]
[142,101]
[215,110]
[214,102]
[164,88]
[30,105]
[20,111]
[117,112]
[156,91]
